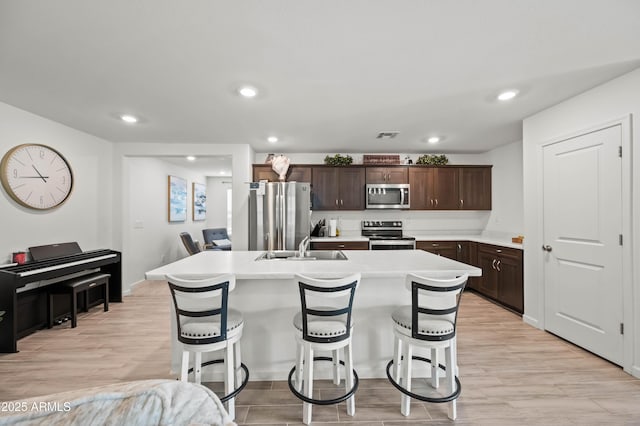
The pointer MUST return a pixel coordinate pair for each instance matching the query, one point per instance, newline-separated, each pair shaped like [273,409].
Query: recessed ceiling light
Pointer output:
[248,91]
[507,95]
[129,118]
[433,139]
[191,158]
[272,139]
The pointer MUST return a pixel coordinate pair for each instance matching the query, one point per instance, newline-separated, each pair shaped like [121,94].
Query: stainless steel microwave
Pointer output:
[387,196]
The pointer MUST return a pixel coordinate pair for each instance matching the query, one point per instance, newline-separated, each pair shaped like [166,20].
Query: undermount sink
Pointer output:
[309,255]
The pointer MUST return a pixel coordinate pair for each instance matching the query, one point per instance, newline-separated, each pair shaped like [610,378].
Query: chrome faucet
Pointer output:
[304,246]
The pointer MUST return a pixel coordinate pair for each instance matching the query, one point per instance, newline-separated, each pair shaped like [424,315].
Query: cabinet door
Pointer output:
[387,175]
[299,174]
[475,188]
[340,245]
[264,172]
[489,283]
[351,188]
[510,282]
[324,188]
[445,188]
[421,187]
[448,249]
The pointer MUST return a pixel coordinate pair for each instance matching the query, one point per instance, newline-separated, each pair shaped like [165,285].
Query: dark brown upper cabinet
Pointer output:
[434,188]
[397,174]
[475,188]
[338,188]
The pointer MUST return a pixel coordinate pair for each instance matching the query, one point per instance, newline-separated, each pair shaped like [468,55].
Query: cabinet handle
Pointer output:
[336,201]
[435,245]
[461,202]
[340,245]
[436,202]
[498,251]
[432,202]
[341,202]
[498,265]
[493,264]
[459,247]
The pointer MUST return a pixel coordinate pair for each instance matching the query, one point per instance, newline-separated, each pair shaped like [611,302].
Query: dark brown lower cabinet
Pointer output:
[502,277]
[447,249]
[339,245]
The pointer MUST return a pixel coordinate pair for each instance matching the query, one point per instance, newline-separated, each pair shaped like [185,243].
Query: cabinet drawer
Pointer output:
[500,251]
[448,249]
[339,245]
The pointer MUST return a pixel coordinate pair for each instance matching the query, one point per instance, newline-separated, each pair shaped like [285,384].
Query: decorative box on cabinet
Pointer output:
[338,188]
[339,245]
[502,277]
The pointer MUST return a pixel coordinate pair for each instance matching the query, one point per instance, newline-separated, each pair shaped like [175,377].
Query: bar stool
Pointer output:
[206,324]
[430,322]
[324,324]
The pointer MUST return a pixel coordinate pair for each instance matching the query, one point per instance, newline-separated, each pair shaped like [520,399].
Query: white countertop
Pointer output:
[371,263]
[504,242]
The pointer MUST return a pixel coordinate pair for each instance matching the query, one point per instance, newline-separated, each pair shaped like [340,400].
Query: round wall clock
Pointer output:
[36,176]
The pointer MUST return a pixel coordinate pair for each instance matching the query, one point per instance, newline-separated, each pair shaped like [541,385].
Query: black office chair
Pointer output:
[216,239]
[191,246]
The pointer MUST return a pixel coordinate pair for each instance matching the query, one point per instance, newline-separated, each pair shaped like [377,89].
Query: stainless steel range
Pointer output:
[386,235]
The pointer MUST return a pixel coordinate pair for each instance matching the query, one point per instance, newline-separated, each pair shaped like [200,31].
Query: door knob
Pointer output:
[547,248]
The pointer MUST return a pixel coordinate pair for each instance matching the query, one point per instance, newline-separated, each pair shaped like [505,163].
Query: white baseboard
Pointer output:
[531,321]
[635,371]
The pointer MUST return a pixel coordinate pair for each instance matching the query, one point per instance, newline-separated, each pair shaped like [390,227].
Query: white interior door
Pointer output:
[583,253]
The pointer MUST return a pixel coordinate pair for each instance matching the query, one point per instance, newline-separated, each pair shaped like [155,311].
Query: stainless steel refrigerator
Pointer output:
[279,215]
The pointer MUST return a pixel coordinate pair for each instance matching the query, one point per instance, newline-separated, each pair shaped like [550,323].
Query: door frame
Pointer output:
[537,240]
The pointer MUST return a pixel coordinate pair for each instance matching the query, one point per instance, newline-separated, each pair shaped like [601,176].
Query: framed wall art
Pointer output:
[199,201]
[177,199]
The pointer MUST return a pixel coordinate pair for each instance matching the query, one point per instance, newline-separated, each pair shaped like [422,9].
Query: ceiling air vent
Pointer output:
[387,135]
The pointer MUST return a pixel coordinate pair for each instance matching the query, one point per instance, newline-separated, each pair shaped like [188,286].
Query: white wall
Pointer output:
[153,240]
[507,215]
[611,101]
[217,201]
[86,216]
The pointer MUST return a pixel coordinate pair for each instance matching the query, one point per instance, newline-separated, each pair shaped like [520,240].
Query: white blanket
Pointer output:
[146,402]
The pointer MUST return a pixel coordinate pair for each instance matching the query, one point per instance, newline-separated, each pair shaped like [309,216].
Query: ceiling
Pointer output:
[331,74]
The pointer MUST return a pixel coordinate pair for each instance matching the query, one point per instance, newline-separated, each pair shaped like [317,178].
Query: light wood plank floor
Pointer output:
[511,373]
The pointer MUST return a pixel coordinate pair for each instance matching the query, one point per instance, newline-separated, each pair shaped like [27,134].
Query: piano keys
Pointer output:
[23,288]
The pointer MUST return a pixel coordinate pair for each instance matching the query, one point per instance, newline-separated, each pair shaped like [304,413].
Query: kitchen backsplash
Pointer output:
[431,222]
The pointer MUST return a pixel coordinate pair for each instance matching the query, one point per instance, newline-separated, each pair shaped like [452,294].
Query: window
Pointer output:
[229,211]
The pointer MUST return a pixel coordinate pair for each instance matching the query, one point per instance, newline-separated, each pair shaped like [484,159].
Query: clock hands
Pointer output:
[39,174]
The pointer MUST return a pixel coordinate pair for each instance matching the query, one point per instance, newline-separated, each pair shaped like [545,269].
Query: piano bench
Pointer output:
[75,286]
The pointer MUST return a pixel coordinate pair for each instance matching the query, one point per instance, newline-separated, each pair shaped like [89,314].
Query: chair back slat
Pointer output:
[199,299]
[337,293]
[434,299]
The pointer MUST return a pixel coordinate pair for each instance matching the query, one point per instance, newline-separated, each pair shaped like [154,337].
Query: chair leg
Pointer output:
[184,373]
[308,384]
[348,364]
[405,406]
[435,376]
[197,367]
[397,358]
[450,378]
[237,360]
[299,367]
[336,367]
[106,296]
[228,380]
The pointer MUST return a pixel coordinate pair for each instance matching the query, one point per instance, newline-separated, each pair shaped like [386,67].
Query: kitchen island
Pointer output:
[268,298]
